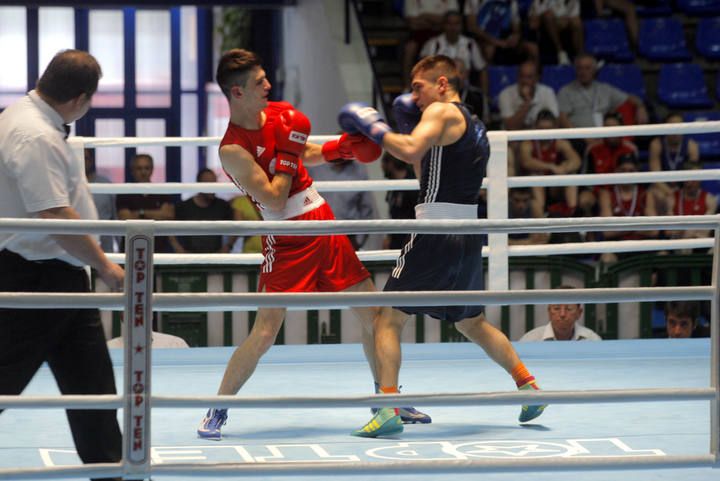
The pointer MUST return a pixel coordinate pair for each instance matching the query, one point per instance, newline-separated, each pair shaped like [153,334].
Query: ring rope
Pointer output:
[284,227]
[224,301]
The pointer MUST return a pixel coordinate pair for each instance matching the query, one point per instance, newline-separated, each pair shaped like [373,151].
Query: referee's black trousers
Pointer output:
[71,341]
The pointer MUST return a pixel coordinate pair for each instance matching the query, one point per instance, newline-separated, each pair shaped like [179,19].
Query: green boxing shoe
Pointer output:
[385,423]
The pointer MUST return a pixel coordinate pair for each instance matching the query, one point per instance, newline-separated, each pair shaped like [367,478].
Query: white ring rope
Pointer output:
[411,185]
[284,227]
[225,301]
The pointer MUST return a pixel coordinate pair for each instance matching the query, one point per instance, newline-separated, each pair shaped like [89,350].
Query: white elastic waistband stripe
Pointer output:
[446,210]
[297,204]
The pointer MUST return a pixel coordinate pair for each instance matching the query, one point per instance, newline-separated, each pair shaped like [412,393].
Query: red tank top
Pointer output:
[686,206]
[261,145]
[604,158]
[548,154]
[632,207]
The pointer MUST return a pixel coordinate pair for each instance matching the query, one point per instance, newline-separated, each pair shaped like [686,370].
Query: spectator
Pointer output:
[455,45]
[497,27]
[540,157]
[563,325]
[245,209]
[355,205]
[520,208]
[425,20]
[521,102]
[627,9]
[145,206]
[203,206]
[681,320]
[585,101]
[602,157]
[626,200]
[471,95]
[401,203]
[691,199]
[668,153]
[160,340]
[556,18]
[104,203]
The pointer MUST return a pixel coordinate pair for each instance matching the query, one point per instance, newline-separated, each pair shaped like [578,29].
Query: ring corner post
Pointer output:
[139,247]
[715,352]
[497,208]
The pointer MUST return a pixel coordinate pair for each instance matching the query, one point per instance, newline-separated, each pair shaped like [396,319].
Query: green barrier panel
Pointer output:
[191,326]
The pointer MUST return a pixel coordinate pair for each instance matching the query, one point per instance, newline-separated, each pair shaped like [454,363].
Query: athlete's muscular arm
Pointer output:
[239,163]
[312,155]
[441,124]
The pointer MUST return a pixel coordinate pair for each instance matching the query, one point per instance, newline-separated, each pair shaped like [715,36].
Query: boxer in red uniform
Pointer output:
[264,151]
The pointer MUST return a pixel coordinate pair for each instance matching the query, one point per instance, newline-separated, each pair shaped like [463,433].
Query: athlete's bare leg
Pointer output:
[388,328]
[366,316]
[245,358]
[491,339]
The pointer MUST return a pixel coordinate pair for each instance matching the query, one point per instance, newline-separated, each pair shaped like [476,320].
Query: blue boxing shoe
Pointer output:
[408,415]
[211,424]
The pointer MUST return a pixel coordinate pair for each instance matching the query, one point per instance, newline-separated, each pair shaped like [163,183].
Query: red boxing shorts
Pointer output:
[325,263]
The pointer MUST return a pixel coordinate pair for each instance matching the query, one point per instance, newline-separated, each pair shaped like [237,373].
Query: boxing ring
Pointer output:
[595,423]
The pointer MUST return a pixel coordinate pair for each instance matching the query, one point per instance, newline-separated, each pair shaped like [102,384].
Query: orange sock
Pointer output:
[521,375]
[391,390]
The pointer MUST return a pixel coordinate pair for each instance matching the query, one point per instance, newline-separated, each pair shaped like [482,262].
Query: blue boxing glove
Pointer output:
[359,117]
[407,114]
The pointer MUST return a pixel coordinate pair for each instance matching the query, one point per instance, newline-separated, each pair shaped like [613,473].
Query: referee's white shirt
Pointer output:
[546,333]
[38,171]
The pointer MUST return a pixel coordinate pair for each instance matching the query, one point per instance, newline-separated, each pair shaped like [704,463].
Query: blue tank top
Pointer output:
[673,161]
[454,173]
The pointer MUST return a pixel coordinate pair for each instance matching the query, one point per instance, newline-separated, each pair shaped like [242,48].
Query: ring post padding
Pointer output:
[498,264]
[139,246]
[715,352]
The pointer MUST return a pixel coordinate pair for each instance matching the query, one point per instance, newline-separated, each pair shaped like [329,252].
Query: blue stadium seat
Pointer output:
[707,38]
[499,77]
[662,40]
[659,8]
[557,76]
[699,7]
[607,39]
[625,76]
[681,85]
[712,186]
[709,144]
[524,7]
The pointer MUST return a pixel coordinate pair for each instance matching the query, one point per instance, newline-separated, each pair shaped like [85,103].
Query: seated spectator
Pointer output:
[353,205]
[540,157]
[558,19]
[584,101]
[203,206]
[519,207]
[602,156]
[691,199]
[146,206]
[668,153]
[160,340]
[681,320]
[245,209]
[497,27]
[521,102]
[401,203]
[424,20]
[104,203]
[471,95]
[453,44]
[626,200]
[563,325]
[627,10]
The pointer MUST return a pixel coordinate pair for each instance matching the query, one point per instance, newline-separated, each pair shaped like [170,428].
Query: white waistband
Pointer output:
[297,204]
[446,210]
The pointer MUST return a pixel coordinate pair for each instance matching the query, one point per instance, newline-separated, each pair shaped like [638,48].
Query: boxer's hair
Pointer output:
[689,309]
[440,66]
[70,74]
[234,67]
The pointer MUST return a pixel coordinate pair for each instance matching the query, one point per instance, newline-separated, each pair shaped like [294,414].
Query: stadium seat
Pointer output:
[707,38]
[624,76]
[659,8]
[699,7]
[557,76]
[709,144]
[681,85]
[607,39]
[499,77]
[712,186]
[662,40]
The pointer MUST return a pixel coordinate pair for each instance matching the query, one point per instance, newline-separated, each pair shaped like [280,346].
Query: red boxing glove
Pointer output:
[351,146]
[291,134]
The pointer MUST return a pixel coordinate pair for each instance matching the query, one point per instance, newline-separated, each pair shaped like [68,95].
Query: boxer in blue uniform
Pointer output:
[448,148]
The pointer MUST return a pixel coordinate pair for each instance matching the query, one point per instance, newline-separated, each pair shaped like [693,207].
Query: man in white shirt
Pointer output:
[40,178]
[563,325]
[520,102]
